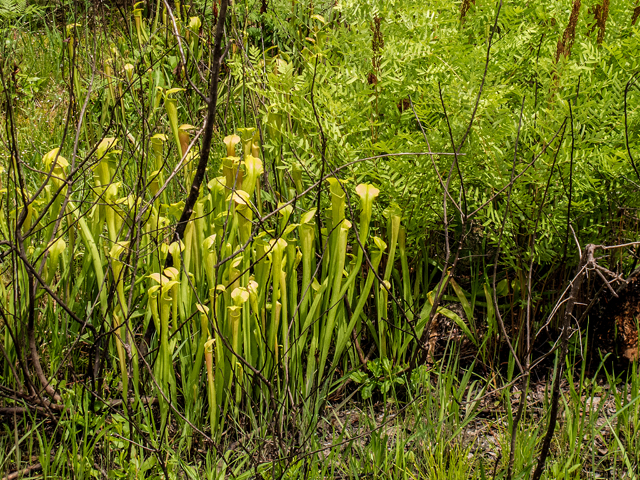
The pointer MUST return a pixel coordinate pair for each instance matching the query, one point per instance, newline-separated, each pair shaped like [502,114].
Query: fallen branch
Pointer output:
[212,101]
[24,472]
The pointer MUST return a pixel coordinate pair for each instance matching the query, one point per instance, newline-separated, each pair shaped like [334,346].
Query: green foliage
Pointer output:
[425,50]
[12,8]
[383,377]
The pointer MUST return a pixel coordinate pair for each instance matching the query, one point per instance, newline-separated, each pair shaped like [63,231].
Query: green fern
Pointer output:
[12,8]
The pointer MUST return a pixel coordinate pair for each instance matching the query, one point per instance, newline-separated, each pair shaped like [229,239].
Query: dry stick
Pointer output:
[38,466]
[626,125]
[535,95]
[323,150]
[76,140]
[533,241]
[207,136]
[208,129]
[42,403]
[24,472]
[63,209]
[523,392]
[618,292]
[18,349]
[455,163]
[435,167]
[15,164]
[556,307]
[587,258]
[495,262]
[13,368]
[464,8]
[573,140]
[35,358]
[31,317]
[524,170]
[484,77]
[446,274]
[176,34]
[23,213]
[9,411]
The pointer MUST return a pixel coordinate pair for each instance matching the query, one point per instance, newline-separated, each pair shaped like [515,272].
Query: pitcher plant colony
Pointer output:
[261,302]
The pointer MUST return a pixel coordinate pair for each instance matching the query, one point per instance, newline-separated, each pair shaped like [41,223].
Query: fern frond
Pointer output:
[12,8]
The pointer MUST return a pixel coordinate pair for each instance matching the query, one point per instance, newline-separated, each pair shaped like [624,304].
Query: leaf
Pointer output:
[161,279]
[239,295]
[463,300]
[491,314]
[456,318]
[367,391]
[358,377]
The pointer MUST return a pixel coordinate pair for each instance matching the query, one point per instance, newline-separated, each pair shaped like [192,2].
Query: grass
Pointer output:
[440,423]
